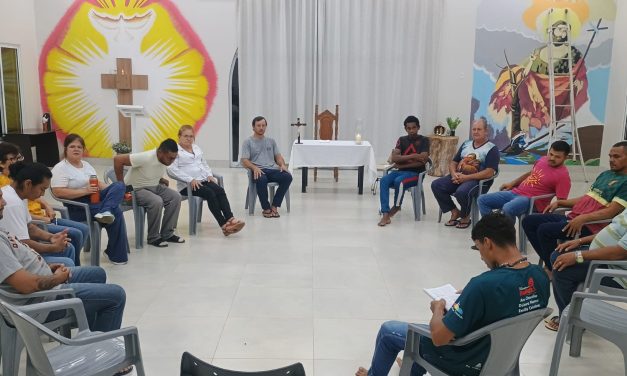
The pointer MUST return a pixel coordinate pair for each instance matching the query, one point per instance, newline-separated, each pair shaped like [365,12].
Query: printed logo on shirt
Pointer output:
[612,182]
[529,289]
[457,309]
[410,150]
[533,179]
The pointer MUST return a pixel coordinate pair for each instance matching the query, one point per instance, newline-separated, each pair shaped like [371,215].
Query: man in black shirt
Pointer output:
[408,158]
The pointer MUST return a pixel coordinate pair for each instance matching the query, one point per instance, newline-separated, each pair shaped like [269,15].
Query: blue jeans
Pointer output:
[509,202]
[61,257]
[110,199]
[284,179]
[104,303]
[59,260]
[394,180]
[390,341]
[77,232]
[543,232]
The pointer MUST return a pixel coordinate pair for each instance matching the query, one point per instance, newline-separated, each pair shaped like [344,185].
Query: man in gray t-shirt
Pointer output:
[261,156]
[24,271]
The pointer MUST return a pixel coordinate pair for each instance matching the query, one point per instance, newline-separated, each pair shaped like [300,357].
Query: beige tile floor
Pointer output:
[312,286]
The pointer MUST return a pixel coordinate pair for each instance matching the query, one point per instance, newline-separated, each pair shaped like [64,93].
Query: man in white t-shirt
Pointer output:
[151,189]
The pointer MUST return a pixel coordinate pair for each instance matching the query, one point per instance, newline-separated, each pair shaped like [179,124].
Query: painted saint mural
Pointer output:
[160,44]
[514,54]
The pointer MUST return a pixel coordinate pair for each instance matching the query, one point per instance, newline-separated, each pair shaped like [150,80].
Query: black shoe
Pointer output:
[174,239]
[158,243]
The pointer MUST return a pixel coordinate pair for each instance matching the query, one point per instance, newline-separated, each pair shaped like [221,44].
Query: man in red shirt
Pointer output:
[548,176]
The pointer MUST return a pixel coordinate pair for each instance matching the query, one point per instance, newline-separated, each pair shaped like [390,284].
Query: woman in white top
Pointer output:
[70,180]
[190,167]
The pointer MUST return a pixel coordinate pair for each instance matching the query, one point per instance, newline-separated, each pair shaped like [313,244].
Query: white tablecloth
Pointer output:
[318,153]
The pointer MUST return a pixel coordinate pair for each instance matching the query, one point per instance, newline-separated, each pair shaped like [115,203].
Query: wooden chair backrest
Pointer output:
[326,124]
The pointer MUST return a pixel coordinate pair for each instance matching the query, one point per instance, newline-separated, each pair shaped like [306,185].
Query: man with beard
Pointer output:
[408,158]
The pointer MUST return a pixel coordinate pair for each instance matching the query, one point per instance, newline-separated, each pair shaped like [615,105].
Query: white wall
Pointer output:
[17,28]
[457,57]
[215,23]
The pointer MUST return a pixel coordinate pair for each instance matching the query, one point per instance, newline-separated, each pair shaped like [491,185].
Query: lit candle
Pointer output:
[358,138]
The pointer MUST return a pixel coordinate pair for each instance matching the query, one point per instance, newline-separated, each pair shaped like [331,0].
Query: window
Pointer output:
[10,101]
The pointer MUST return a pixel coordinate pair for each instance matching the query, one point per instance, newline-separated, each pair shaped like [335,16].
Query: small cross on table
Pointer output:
[124,81]
[298,124]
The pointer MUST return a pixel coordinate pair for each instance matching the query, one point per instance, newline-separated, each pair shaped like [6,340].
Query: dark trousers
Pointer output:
[216,200]
[284,179]
[566,282]
[543,232]
[443,188]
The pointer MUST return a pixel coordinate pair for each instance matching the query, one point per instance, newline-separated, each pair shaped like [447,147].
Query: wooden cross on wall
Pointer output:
[124,82]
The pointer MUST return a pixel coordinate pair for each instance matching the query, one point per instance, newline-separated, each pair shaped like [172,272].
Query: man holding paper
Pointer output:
[511,287]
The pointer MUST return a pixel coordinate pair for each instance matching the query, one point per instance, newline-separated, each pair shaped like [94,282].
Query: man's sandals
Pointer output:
[553,323]
[232,226]
[270,214]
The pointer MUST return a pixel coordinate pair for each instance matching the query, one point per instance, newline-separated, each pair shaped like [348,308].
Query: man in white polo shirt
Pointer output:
[151,189]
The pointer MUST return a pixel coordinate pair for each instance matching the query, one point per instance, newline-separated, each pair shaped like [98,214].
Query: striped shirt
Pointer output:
[614,234]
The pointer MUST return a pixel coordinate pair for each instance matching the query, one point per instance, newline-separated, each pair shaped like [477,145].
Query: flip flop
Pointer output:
[452,223]
[553,324]
[267,213]
[275,214]
[463,225]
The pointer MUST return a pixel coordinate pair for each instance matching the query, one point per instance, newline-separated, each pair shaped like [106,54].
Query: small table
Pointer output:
[45,144]
[442,149]
[322,153]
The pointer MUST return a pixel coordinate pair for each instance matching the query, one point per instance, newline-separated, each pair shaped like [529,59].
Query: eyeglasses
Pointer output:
[17,158]
[187,136]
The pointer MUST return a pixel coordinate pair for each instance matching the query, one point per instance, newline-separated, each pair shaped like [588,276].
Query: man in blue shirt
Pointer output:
[511,287]
[476,159]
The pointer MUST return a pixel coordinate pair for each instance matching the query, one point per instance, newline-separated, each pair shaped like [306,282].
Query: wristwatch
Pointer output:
[578,257]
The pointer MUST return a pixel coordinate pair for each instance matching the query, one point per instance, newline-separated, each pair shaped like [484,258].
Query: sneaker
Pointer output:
[118,262]
[105,217]
[174,239]
[158,243]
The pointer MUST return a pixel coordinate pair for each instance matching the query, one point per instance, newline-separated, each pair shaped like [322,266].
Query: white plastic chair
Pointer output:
[417,191]
[251,194]
[594,312]
[139,213]
[11,344]
[87,354]
[507,338]
[522,237]
[474,207]
[195,202]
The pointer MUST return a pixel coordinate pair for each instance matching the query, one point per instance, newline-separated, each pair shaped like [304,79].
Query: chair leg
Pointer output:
[424,202]
[11,350]
[336,174]
[192,215]
[315,173]
[416,201]
[95,248]
[251,199]
[440,216]
[287,200]
[557,349]
[575,342]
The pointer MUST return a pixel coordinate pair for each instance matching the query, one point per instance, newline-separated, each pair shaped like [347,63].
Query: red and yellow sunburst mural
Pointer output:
[161,44]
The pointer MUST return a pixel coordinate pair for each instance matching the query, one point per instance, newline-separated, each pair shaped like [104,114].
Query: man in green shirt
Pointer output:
[522,287]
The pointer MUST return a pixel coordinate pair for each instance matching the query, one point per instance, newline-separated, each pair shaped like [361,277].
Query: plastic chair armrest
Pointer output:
[130,331]
[63,211]
[533,199]
[599,274]
[73,304]
[595,264]
[40,294]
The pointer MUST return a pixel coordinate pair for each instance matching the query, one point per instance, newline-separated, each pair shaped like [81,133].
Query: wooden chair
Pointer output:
[325,128]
